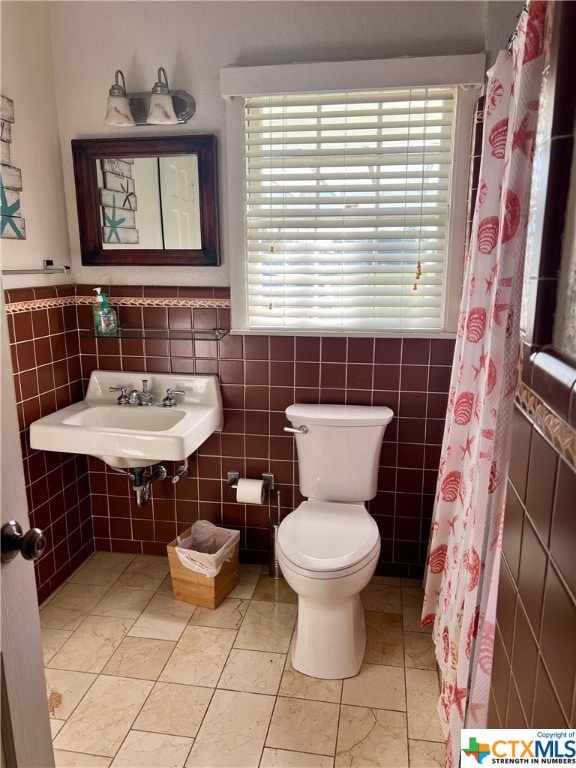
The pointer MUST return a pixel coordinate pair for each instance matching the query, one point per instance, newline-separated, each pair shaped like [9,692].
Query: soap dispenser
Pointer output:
[105,320]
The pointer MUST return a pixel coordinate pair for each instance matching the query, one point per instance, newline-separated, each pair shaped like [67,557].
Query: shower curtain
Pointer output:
[464,556]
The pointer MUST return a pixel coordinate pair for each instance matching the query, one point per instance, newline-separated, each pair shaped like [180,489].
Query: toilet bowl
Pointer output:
[328,547]
[328,572]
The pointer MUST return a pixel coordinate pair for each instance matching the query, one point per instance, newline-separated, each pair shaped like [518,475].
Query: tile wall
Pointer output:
[46,364]
[534,672]
[260,376]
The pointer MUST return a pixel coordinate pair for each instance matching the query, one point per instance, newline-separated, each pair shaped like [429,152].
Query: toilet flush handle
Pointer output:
[302,430]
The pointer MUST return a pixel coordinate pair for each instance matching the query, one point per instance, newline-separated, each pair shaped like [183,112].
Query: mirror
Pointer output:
[150,202]
[147,201]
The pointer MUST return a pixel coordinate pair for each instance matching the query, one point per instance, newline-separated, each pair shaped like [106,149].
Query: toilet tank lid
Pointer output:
[339,415]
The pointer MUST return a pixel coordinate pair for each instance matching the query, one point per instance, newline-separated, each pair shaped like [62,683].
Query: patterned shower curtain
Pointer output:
[464,557]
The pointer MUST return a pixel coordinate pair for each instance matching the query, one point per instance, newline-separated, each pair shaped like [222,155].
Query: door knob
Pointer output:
[30,544]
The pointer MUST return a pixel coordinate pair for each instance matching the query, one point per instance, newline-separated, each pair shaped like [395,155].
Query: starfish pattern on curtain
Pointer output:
[464,556]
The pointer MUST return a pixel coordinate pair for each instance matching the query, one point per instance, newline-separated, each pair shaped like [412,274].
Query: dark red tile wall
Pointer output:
[533,683]
[82,503]
[46,364]
[260,376]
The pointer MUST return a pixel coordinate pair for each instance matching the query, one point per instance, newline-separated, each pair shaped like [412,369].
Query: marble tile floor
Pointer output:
[136,679]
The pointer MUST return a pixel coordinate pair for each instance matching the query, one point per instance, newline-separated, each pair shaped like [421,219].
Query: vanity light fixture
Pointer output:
[160,106]
[161,110]
[118,107]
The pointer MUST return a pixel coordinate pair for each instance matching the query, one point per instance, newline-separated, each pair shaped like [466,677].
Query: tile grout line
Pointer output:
[404,678]
[277,695]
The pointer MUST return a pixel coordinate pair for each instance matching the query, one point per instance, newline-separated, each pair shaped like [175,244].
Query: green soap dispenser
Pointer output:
[105,320]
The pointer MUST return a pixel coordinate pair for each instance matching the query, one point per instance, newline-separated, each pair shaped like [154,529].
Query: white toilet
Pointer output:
[328,547]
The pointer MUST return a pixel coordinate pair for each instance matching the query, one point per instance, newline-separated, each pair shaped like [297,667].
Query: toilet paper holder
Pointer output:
[267,477]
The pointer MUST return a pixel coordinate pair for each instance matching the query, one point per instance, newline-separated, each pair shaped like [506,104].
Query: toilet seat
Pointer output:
[326,540]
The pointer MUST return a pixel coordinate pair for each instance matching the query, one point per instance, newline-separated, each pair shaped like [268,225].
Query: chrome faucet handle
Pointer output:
[123,399]
[170,401]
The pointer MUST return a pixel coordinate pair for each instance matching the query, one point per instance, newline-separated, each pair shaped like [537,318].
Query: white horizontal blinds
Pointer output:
[345,194]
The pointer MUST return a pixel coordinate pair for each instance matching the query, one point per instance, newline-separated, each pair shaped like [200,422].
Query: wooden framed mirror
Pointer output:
[148,201]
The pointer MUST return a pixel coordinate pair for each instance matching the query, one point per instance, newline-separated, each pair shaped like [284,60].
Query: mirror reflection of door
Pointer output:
[157,206]
[179,201]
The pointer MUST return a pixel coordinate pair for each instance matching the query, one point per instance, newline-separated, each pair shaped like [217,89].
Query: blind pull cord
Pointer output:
[418,274]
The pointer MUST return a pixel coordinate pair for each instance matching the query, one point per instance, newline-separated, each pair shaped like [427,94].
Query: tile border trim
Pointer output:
[148,301]
[121,301]
[29,306]
[558,432]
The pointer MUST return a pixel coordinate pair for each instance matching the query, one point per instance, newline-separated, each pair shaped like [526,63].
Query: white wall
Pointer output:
[499,23]
[193,40]
[27,79]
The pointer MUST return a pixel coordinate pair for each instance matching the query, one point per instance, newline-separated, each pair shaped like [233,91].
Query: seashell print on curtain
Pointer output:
[465,545]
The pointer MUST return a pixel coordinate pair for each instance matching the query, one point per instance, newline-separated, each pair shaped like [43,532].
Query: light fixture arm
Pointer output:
[116,89]
[159,86]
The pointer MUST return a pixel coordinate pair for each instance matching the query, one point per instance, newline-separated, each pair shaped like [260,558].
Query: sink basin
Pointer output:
[128,436]
[111,417]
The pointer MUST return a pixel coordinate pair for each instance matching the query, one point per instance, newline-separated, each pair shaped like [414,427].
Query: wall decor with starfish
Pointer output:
[12,225]
[118,201]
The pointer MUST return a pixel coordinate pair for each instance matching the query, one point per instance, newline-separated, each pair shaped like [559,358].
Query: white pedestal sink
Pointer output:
[129,436]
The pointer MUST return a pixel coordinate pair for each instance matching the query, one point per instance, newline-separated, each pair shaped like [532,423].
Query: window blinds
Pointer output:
[347,205]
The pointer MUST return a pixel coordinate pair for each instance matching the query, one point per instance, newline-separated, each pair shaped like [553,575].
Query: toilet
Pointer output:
[328,547]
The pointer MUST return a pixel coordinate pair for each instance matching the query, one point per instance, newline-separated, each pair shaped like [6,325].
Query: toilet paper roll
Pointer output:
[250,491]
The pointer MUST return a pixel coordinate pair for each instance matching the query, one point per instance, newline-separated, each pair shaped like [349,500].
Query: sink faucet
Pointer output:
[143,397]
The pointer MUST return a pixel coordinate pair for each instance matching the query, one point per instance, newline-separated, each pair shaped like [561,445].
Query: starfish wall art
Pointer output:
[12,225]
[118,201]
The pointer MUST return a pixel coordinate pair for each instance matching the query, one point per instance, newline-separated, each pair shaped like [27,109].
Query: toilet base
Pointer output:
[330,637]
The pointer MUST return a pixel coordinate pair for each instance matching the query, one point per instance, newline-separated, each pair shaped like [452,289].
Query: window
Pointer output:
[353,201]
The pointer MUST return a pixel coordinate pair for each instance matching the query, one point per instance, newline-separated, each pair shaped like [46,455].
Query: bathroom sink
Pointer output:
[128,436]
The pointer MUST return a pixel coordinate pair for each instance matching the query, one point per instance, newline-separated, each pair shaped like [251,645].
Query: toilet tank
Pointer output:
[339,454]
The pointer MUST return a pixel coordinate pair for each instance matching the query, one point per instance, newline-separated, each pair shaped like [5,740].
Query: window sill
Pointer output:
[322,332]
